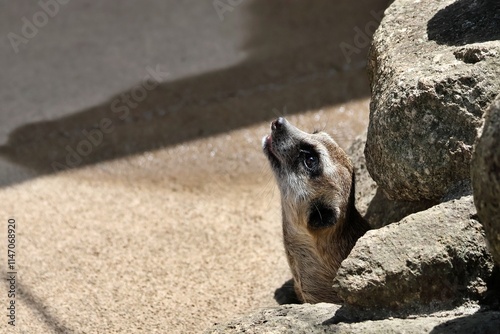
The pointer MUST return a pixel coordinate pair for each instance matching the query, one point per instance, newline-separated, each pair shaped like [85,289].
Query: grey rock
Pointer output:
[485,174]
[365,187]
[371,201]
[316,318]
[434,71]
[458,190]
[284,319]
[383,211]
[431,259]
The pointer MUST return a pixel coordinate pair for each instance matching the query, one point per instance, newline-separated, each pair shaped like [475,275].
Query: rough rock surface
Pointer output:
[366,188]
[371,201]
[433,73]
[486,178]
[434,258]
[316,318]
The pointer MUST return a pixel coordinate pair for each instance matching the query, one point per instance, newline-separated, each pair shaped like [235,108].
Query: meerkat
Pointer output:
[320,222]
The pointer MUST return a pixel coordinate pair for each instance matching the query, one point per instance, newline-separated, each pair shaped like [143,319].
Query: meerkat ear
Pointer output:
[321,216]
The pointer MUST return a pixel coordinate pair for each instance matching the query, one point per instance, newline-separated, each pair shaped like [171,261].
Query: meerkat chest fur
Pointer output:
[320,222]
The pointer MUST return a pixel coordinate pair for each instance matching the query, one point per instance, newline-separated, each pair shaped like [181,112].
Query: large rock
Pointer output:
[365,187]
[434,69]
[316,318]
[486,178]
[371,202]
[436,257]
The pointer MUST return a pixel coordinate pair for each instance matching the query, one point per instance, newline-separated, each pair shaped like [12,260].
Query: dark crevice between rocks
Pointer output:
[491,299]
[466,22]
[382,211]
[458,190]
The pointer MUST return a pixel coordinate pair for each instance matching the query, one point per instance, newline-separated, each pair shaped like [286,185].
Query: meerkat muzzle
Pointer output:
[281,141]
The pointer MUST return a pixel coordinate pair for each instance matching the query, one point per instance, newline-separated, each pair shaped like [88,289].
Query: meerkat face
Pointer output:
[313,173]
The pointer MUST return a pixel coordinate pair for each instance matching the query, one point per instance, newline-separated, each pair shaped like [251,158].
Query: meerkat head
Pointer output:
[313,173]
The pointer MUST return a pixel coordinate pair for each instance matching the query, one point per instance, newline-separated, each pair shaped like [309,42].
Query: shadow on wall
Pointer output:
[301,55]
[466,22]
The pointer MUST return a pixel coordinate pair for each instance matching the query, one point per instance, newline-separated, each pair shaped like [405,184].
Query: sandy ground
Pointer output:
[171,223]
[129,245]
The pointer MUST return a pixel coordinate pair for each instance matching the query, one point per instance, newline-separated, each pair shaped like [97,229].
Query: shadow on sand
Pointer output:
[295,60]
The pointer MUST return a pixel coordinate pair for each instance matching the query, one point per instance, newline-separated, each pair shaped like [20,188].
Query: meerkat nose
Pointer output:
[278,124]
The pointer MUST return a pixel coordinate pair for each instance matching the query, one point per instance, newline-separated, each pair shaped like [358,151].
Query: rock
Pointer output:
[316,318]
[485,174]
[384,211]
[433,71]
[365,187]
[284,319]
[434,258]
[371,201]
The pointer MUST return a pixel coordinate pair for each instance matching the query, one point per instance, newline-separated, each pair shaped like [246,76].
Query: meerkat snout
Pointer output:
[320,222]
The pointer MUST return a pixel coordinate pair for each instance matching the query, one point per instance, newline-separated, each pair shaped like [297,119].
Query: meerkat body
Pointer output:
[320,222]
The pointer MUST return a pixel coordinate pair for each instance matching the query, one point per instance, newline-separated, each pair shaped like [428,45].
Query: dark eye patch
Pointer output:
[321,216]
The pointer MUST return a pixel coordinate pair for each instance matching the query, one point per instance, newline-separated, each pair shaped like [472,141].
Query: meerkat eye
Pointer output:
[311,160]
